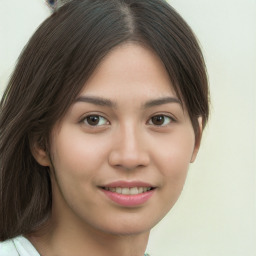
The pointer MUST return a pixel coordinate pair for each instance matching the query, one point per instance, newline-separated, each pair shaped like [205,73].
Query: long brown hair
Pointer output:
[53,68]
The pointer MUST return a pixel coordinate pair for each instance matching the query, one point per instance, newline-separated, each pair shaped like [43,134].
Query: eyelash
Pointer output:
[84,120]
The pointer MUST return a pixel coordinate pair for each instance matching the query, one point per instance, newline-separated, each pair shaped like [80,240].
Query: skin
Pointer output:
[127,144]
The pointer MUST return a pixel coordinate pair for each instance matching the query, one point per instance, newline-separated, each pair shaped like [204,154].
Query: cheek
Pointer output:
[174,155]
[77,160]
[78,156]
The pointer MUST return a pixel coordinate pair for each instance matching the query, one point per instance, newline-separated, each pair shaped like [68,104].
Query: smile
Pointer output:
[128,194]
[128,191]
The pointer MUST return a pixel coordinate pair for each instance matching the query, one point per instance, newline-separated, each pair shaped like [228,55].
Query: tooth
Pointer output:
[129,191]
[119,190]
[134,191]
[125,191]
[140,190]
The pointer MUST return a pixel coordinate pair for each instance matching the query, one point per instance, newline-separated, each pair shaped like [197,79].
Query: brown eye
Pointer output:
[160,120]
[95,120]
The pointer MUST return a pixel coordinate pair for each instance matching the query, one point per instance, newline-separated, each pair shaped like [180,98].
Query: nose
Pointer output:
[129,150]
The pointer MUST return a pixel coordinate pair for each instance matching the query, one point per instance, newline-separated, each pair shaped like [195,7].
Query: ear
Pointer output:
[40,152]
[198,139]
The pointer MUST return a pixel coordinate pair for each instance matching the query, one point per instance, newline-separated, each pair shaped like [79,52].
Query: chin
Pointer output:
[131,231]
[130,226]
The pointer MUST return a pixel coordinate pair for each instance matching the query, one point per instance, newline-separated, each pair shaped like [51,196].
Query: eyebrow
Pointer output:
[161,101]
[96,101]
[108,103]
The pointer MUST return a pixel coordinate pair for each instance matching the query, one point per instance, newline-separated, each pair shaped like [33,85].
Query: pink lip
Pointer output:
[128,200]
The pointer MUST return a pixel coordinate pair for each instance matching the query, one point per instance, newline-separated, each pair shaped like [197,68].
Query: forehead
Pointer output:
[130,70]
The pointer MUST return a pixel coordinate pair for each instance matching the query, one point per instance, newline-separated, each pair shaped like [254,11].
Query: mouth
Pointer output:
[128,194]
[128,190]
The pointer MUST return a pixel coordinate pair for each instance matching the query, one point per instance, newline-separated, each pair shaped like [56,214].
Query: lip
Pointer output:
[128,200]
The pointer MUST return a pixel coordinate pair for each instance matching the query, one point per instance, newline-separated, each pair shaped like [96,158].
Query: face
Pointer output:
[120,155]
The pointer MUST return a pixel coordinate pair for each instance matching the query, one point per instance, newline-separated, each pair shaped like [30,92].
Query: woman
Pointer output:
[99,123]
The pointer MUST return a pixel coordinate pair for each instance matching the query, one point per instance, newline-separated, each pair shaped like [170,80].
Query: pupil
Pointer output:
[158,120]
[93,120]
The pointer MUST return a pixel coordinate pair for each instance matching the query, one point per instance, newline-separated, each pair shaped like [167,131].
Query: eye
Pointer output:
[160,120]
[94,120]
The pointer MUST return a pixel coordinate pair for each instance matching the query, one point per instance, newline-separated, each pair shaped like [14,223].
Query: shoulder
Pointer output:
[18,246]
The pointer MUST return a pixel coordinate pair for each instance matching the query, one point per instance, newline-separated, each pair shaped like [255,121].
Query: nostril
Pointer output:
[128,160]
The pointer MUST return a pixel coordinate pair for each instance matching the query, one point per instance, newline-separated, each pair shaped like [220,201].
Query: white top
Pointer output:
[18,246]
